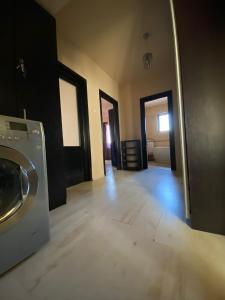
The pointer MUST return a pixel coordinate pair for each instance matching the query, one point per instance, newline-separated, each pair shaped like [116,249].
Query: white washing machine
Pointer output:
[24,213]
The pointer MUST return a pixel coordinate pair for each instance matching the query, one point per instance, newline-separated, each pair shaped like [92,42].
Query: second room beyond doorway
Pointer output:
[110,132]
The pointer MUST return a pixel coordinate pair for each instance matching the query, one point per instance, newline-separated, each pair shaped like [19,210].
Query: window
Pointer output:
[108,136]
[163,122]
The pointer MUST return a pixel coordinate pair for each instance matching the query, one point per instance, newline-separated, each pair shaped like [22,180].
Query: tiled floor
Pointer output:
[122,238]
[158,164]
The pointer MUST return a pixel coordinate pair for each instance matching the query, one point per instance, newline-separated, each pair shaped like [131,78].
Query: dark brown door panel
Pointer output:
[201,31]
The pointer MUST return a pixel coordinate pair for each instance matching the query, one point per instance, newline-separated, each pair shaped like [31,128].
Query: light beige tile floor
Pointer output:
[153,163]
[122,238]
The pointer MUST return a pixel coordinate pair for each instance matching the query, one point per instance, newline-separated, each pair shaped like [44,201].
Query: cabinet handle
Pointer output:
[24,113]
[21,67]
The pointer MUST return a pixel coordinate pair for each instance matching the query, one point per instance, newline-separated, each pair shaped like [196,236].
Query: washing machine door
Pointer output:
[18,182]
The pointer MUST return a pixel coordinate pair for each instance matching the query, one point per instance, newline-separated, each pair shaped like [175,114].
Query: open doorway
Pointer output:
[110,132]
[75,126]
[157,129]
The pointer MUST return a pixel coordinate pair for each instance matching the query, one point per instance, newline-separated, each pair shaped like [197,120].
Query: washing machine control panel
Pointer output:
[15,131]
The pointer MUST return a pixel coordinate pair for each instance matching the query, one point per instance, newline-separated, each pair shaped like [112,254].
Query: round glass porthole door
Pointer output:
[11,195]
[18,182]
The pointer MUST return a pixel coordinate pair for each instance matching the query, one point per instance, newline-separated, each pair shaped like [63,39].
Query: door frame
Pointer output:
[70,76]
[169,96]
[116,108]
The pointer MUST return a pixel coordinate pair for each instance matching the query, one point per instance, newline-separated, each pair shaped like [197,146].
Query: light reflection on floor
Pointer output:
[122,237]
[111,182]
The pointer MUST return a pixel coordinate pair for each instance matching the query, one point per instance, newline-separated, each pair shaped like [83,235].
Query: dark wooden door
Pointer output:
[112,126]
[8,99]
[74,165]
[201,32]
[77,157]
[72,147]
[37,86]
[116,161]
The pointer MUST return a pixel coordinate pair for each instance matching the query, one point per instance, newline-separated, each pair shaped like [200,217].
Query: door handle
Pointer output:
[21,67]
[24,182]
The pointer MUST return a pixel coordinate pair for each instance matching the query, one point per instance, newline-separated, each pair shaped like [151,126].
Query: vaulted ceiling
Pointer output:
[156,102]
[111,33]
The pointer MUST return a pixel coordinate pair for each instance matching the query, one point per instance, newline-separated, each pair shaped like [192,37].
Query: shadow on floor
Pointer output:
[164,185]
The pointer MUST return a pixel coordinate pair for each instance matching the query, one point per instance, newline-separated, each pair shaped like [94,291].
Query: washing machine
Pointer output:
[24,213]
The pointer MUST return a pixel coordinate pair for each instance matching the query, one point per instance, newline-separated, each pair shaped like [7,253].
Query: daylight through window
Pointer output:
[163,120]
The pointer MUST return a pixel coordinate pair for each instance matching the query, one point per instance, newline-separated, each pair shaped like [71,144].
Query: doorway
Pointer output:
[157,131]
[110,132]
[75,126]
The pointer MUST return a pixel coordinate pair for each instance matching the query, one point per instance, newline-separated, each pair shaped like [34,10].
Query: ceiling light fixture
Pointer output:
[147,57]
[147,60]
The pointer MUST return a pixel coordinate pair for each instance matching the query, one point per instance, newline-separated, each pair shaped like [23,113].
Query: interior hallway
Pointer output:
[122,238]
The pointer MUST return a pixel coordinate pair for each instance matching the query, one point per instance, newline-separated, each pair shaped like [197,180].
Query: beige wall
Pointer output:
[152,131]
[97,79]
[154,81]
[130,95]
[106,106]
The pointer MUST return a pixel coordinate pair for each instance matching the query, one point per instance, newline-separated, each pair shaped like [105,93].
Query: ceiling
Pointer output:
[156,102]
[111,32]
[53,6]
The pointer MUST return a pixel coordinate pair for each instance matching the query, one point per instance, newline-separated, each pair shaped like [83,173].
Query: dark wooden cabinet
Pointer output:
[8,99]
[31,83]
[201,31]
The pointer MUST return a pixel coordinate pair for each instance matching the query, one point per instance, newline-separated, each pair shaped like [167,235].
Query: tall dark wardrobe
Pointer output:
[201,37]
[29,80]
